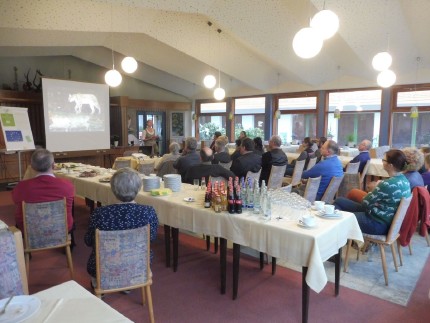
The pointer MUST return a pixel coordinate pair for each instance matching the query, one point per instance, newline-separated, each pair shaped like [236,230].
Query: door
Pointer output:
[159,124]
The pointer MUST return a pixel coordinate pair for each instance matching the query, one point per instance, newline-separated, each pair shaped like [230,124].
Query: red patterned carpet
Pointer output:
[192,294]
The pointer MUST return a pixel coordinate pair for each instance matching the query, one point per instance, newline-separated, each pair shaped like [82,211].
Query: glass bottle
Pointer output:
[257,205]
[238,200]
[250,195]
[203,183]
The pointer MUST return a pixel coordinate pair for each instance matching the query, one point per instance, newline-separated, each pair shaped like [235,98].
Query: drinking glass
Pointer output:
[196,184]
[203,184]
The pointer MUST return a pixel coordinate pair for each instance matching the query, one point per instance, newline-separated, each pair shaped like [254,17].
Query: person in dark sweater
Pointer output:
[248,160]
[206,168]
[189,157]
[275,156]
[363,156]
[221,155]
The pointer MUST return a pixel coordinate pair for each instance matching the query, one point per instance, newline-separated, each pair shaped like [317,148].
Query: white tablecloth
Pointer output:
[349,152]
[70,302]
[282,239]
[290,148]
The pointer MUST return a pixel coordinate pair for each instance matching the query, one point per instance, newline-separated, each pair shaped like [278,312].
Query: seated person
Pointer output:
[363,156]
[242,135]
[275,156]
[415,160]
[236,153]
[258,146]
[189,157]
[217,134]
[306,152]
[206,168]
[126,214]
[426,174]
[221,156]
[44,187]
[173,155]
[248,160]
[425,151]
[376,211]
[327,168]
[321,142]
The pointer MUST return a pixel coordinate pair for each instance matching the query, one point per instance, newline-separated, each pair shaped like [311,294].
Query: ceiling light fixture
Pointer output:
[382,61]
[209,80]
[219,93]
[326,23]
[386,78]
[307,43]
[414,109]
[112,77]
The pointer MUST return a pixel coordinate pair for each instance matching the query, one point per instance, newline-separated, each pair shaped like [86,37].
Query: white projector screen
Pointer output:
[76,115]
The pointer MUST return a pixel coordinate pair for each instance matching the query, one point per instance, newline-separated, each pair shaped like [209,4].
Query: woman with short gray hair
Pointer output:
[174,154]
[124,215]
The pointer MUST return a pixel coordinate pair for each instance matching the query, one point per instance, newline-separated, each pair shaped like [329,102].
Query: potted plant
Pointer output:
[351,140]
[114,140]
[329,134]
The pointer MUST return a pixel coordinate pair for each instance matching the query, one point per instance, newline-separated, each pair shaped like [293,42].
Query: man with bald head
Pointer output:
[363,156]
[206,168]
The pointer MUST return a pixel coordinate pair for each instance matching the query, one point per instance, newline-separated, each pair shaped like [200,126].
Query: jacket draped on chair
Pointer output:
[419,210]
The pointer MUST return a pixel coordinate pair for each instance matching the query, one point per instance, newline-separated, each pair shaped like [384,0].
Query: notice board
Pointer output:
[16,132]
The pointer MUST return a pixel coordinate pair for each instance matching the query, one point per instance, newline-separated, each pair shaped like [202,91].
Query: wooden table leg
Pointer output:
[167,243]
[175,238]
[223,263]
[236,259]
[305,296]
[337,260]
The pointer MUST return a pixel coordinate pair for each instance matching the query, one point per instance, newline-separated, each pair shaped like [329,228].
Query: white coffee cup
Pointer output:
[319,205]
[328,209]
[308,220]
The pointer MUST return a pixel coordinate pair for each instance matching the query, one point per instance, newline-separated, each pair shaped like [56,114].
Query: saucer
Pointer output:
[335,215]
[304,226]
[189,199]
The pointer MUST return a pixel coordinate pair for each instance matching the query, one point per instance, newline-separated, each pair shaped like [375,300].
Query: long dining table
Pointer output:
[282,239]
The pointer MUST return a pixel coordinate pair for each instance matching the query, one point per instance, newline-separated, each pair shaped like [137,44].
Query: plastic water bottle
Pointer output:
[250,198]
[257,205]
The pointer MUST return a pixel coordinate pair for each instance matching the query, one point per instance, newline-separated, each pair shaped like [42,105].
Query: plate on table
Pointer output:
[335,215]
[189,199]
[19,309]
[105,179]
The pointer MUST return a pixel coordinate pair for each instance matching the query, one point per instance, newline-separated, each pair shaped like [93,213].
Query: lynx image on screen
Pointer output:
[75,111]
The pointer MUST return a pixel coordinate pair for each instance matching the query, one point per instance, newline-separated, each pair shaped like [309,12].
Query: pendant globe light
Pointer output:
[386,78]
[382,61]
[326,23]
[307,43]
[112,77]
[219,92]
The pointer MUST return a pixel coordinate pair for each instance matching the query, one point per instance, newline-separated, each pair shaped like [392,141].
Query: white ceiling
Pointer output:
[176,48]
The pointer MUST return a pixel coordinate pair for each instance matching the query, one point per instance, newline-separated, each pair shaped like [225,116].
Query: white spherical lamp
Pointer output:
[382,61]
[129,64]
[326,23]
[386,78]
[209,81]
[113,78]
[307,43]
[219,93]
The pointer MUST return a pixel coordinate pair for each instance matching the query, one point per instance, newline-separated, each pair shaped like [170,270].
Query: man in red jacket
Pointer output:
[44,187]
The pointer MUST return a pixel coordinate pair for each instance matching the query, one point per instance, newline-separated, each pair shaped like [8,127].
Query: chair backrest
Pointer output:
[352,168]
[349,182]
[276,176]
[378,152]
[13,277]
[312,188]
[363,174]
[167,168]
[45,225]
[122,164]
[253,176]
[311,163]
[287,189]
[297,173]
[122,258]
[332,189]
[146,168]
[393,233]
[226,165]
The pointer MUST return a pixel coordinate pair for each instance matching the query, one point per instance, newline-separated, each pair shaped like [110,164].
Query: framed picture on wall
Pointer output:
[177,124]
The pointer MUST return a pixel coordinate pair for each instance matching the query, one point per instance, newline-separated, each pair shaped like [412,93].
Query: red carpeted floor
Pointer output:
[192,293]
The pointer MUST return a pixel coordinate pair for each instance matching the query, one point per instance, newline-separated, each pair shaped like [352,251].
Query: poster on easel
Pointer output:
[15,129]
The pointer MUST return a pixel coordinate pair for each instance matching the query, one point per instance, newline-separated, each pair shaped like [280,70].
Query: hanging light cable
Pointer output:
[414,108]
[325,22]
[129,63]
[209,80]
[112,77]
[219,93]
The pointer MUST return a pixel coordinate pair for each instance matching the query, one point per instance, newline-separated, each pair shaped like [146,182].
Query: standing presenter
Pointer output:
[149,137]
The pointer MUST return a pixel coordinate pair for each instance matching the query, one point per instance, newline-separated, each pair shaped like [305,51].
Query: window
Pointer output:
[408,131]
[354,116]
[249,116]
[298,118]
[212,117]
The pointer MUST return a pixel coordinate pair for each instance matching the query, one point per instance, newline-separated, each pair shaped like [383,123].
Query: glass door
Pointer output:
[159,125]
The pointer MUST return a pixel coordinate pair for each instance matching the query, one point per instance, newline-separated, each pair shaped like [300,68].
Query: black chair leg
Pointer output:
[273,265]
